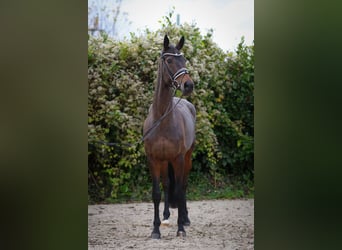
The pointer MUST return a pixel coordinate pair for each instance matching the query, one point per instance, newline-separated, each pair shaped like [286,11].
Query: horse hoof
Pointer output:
[155,236]
[181,234]
[165,223]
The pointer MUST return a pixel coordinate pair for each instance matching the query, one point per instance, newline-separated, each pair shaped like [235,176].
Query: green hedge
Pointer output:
[121,78]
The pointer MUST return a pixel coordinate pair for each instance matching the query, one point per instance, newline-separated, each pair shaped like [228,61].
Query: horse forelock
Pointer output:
[170,49]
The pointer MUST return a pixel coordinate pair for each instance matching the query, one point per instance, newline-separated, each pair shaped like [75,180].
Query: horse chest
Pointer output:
[163,148]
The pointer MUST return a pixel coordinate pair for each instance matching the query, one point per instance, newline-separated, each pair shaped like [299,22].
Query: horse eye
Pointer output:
[169,60]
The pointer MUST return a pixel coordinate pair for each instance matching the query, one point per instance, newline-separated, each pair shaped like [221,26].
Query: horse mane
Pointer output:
[158,82]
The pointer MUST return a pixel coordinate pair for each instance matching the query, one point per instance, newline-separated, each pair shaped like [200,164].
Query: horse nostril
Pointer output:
[188,85]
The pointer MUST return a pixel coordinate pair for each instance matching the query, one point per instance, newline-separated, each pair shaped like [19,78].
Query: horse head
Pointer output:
[174,66]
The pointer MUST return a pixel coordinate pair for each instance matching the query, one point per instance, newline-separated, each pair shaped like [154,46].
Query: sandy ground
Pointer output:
[215,224]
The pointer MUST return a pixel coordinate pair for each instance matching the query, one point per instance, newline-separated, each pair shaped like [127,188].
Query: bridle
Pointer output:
[177,74]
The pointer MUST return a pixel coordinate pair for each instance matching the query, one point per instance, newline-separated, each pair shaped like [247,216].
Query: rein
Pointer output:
[155,125]
[175,85]
[157,122]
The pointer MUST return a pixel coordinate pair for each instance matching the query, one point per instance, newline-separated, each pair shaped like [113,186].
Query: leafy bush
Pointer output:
[121,78]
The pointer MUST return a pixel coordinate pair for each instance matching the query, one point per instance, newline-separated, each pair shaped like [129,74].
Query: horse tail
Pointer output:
[171,195]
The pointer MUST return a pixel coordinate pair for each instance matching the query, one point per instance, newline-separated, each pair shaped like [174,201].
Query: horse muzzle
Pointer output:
[187,87]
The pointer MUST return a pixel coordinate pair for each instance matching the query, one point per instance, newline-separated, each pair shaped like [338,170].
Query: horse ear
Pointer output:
[180,44]
[166,42]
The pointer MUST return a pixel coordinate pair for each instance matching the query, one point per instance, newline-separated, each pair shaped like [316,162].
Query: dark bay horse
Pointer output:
[169,131]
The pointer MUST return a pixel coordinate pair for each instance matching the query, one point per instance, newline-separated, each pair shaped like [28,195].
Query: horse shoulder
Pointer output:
[185,107]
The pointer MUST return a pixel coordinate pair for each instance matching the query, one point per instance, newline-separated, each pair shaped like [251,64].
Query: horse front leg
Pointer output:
[166,188]
[180,194]
[156,196]
[155,168]
[188,166]
[182,211]
[186,220]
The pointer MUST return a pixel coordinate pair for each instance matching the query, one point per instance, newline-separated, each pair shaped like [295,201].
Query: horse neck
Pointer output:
[163,95]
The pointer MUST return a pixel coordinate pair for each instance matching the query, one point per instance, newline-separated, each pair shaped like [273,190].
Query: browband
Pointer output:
[171,54]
